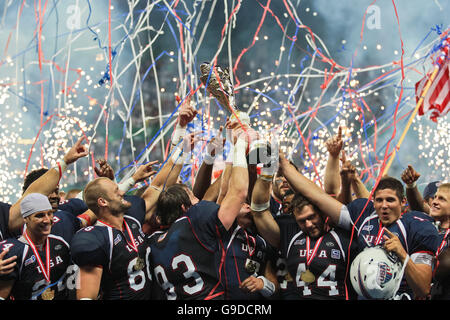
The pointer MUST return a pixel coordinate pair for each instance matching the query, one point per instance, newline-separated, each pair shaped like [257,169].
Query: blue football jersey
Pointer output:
[328,265]
[187,259]
[74,206]
[125,272]
[415,230]
[29,281]
[246,255]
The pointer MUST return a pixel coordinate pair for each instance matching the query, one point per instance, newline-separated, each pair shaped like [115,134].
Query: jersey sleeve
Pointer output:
[137,209]
[206,223]
[423,236]
[14,248]
[89,246]
[358,210]
[74,206]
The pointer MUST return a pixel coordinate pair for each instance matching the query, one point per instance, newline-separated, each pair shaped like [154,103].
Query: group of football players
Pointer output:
[257,231]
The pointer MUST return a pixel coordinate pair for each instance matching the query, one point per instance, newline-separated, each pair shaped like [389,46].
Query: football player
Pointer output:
[413,234]
[315,254]
[187,256]
[42,258]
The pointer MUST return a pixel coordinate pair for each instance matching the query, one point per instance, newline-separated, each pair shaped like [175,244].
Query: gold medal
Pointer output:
[48,294]
[307,276]
[251,266]
[139,264]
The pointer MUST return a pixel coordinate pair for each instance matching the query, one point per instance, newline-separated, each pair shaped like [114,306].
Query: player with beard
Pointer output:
[411,236]
[280,186]
[314,253]
[111,254]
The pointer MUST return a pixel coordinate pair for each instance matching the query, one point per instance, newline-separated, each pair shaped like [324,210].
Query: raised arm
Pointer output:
[238,184]
[299,183]
[413,196]
[47,183]
[169,173]
[332,181]
[203,178]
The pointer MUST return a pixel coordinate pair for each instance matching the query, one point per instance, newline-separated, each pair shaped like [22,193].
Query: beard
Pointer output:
[119,207]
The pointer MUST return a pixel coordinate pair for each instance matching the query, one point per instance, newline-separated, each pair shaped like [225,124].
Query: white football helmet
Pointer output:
[376,273]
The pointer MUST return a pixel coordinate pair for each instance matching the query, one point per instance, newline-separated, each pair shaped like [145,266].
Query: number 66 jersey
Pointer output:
[122,254]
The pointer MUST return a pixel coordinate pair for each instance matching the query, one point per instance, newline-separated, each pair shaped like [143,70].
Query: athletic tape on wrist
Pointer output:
[127,184]
[208,159]
[178,134]
[269,287]
[178,157]
[239,158]
[260,206]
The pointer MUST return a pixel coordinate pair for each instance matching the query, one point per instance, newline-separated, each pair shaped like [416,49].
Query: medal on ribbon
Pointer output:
[307,276]
[140,262]
[48,293]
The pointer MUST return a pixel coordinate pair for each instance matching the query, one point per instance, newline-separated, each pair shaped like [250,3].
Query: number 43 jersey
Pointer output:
[187,259]
[125,271]
[323,277]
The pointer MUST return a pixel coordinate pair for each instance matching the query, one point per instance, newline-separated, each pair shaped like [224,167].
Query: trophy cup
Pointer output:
[222,89]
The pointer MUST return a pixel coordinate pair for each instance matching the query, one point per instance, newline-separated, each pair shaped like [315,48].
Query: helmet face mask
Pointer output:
[376,274]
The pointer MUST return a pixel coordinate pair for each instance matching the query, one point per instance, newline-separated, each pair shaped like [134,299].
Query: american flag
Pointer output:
[437,98]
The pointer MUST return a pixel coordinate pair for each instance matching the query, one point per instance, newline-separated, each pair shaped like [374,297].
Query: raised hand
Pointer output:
[187,112]
[105,170]
[334,144]
[409,175]
[7,265]
[145,171]
[76,152]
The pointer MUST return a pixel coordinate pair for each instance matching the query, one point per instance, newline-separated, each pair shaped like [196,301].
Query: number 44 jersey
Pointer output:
[319,274]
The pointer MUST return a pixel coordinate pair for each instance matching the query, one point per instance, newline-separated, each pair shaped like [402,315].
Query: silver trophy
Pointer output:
[222,89]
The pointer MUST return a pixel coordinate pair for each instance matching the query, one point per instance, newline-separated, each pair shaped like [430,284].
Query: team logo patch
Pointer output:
[384,274]
[56,219]
[330,244]
[117,239]
[335,254]
[368,228]
[30,260]
[299,242]
[58,247]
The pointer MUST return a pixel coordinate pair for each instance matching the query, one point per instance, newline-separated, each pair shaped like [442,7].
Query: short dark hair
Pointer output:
[391,183]
[168,206]
[300,201]
[33,176]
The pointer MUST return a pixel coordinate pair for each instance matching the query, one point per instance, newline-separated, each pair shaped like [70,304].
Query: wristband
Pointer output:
[178,134]
[85,217]
[127,184]
[239,159]
[62,166]
[269,287]
[178,156]
[411,185]
[86,299]
[208,159]
[260,206]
